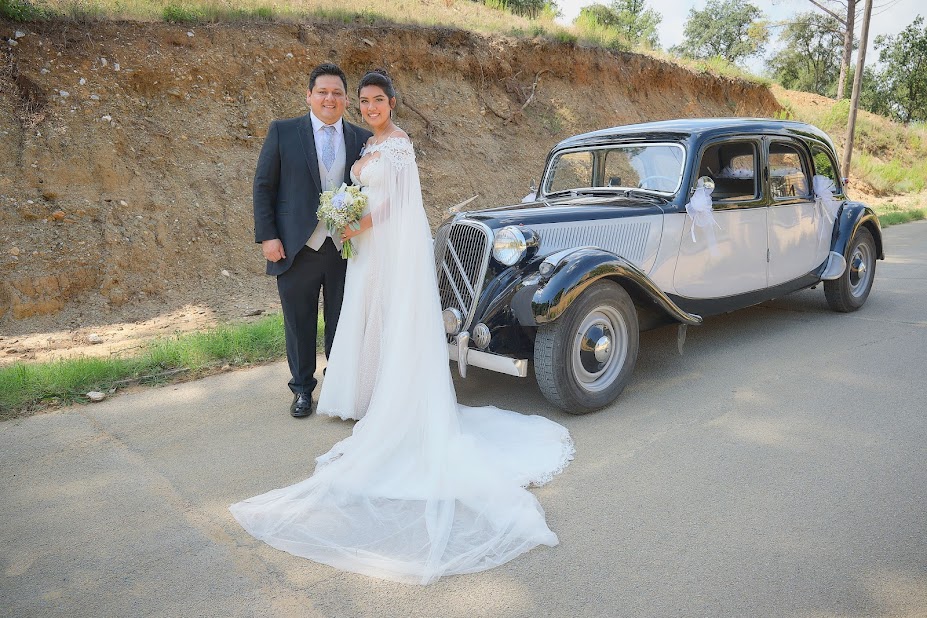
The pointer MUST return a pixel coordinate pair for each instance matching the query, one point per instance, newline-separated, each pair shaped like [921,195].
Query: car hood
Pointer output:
[567,209]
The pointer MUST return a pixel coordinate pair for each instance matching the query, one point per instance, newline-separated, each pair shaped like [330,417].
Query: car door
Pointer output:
[796,243]
[730,259]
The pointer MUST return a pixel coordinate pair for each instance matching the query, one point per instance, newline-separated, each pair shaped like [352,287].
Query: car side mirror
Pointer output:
[704,182]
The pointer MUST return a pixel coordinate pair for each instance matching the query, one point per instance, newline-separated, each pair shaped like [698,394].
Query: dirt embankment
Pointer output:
[129,148]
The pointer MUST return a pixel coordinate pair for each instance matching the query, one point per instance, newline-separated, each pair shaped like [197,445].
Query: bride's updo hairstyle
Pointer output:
[380,78]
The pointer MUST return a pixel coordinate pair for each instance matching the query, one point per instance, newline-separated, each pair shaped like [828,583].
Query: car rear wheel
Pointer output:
[584,359]
[850,291]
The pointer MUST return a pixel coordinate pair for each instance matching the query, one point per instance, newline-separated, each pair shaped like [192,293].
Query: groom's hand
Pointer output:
[273,250]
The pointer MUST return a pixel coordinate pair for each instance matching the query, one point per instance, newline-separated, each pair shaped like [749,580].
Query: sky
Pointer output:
[888,17]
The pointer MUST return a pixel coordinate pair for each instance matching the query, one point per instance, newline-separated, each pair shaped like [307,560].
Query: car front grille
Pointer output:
[461,257]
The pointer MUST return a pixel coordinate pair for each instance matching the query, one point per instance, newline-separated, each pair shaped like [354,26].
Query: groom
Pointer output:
[302,157]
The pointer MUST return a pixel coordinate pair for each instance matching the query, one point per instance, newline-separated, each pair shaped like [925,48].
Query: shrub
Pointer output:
[565,37]
[20,10]
[181,14]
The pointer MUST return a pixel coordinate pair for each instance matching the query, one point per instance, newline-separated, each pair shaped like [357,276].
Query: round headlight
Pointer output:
[509,245]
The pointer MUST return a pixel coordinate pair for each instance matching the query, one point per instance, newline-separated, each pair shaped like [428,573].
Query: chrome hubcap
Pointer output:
[599,348]
[860,273]
[603,348]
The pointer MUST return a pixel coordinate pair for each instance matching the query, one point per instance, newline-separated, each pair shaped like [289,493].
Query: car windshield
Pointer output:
[650,167]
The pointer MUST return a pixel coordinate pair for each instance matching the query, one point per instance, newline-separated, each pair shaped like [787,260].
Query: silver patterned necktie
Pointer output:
[328,146]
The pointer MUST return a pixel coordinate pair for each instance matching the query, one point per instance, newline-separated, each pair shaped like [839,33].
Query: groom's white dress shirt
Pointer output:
[331,177]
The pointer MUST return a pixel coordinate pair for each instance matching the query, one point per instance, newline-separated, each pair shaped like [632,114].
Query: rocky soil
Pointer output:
[128,151]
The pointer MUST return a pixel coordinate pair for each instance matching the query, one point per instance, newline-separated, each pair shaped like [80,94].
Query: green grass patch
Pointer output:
[26,387]
[182,14]
[348,16]
[20,10]
[590,32]
[891,214]
[200,13]
[890,177]
[888,156]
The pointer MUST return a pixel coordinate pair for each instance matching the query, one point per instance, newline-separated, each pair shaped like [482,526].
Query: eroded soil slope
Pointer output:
[128,148]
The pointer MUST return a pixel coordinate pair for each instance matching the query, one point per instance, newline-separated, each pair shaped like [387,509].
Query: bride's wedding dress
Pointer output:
[423,487]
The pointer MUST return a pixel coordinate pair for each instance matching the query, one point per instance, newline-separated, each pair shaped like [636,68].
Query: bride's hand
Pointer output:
[350,232]
[356,228]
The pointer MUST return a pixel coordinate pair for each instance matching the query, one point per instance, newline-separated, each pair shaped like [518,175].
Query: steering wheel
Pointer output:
[643,181]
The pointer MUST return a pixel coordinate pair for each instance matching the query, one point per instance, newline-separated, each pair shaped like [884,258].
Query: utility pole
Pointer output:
[857,83]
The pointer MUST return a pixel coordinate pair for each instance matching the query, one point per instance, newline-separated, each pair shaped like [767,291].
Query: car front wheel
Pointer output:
[584,359]
[849,291]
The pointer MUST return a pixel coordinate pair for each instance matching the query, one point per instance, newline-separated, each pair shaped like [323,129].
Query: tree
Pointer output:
[810,57]
[631,20]
[732,30]
[598,14]
[872,96]
[903,77]
[848,22]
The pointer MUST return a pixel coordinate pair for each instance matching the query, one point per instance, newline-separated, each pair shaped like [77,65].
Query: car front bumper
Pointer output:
[459,350]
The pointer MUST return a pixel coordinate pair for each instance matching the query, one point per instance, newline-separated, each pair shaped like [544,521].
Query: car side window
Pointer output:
[572,170]
[733,167]
[824,165]
[788,177]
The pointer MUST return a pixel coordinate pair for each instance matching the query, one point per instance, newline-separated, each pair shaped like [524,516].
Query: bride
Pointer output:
[423,487]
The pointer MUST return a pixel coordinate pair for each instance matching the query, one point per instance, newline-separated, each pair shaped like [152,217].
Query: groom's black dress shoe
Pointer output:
[301,406]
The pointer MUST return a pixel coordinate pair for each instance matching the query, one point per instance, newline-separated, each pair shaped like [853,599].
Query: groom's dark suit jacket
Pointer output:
[287,184]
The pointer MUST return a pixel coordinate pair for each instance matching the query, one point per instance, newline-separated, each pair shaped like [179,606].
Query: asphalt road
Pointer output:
[777,468]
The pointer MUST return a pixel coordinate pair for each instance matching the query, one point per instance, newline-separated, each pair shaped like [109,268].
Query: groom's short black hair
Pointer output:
[327,69]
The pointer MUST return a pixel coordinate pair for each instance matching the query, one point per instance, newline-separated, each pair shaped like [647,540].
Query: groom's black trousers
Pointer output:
[299,287]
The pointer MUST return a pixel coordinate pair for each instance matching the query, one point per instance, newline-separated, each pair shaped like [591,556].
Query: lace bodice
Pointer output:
[397,150]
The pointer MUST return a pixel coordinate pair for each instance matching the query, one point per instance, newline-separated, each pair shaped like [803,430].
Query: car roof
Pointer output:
[697,129]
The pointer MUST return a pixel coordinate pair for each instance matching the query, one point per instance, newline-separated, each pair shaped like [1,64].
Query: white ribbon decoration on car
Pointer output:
[699,210]
[824,203]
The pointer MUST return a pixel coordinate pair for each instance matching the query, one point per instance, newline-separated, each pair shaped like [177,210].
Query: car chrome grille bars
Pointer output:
[461,257]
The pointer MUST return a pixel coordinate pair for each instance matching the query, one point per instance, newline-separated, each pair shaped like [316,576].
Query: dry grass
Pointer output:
[463,14]
[888,169]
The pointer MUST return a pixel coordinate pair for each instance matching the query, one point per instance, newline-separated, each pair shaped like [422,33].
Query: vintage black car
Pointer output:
[645,225]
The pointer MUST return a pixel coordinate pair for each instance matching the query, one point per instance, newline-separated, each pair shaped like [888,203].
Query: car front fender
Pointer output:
[578,269]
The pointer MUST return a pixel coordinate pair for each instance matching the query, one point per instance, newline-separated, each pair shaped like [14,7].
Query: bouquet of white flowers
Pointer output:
[341,209]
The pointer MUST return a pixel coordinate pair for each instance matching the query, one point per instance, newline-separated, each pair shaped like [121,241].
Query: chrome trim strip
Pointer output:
[453,252]
[450,279]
